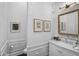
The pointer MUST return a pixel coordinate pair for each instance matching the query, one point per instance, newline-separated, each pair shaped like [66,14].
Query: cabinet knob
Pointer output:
[12,46]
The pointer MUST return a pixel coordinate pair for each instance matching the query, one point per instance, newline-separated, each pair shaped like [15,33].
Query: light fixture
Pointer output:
[67,5]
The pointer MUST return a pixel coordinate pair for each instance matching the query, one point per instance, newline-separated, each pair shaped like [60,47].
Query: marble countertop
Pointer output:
[64,45]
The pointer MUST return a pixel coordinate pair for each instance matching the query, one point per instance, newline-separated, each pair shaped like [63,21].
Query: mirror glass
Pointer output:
[68,23]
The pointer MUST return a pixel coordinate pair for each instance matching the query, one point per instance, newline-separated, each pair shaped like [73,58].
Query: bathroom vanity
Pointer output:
[67,25]
[60,48]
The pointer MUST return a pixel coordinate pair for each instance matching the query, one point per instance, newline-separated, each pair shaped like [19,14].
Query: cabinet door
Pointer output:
[58,51]
[54,51]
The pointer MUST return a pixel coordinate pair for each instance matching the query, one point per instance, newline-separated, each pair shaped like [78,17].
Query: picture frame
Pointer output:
[37,25]
[47,26]
[14,27]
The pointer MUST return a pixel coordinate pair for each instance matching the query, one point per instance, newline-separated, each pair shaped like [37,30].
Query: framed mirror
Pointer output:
[68,23]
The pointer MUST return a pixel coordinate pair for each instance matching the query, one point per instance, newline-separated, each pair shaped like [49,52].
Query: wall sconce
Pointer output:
[67,5]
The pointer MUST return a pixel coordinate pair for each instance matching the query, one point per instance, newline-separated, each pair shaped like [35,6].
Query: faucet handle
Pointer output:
[77,40]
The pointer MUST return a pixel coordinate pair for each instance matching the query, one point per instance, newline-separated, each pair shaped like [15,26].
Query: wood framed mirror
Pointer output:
[68,23]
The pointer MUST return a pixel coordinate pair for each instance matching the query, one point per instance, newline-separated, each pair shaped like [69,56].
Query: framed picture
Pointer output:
[47,26]
[38,25]
[14,27]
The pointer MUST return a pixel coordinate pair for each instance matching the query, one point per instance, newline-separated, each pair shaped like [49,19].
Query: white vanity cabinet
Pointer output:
[56,50]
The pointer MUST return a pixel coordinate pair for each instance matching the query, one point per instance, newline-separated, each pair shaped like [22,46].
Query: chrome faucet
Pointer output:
[76,43]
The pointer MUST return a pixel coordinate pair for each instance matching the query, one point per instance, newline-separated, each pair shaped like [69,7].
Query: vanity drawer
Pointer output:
[16,46]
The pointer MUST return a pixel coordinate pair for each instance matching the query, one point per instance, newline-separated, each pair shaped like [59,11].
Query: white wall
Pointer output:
[55,9]
[3,26]
[17,12]
[42,11]
[12,12]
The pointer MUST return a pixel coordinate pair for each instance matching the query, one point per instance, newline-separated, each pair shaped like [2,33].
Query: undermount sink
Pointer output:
[75,44]
[76,47]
